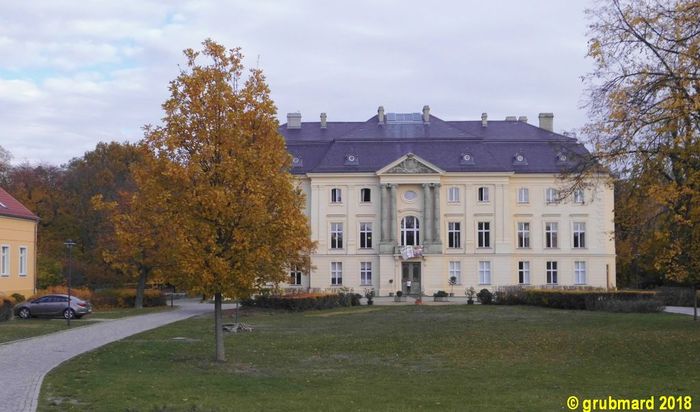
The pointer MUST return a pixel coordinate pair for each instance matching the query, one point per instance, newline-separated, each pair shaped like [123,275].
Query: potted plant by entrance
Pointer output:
[369,294]
[470,293]
[440,296]
[399,297]
[452,282]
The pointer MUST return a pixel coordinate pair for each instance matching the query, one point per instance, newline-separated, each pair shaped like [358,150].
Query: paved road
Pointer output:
[680,309]
[24,364]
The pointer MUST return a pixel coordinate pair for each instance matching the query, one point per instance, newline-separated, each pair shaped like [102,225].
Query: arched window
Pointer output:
[410,231]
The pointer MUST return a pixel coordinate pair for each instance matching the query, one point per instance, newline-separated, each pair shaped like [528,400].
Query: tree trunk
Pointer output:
[140,288]
[218,329]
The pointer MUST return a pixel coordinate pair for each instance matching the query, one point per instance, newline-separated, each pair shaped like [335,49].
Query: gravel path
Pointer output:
[24,364]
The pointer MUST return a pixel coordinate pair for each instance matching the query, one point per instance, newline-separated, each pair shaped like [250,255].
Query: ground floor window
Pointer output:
[524,272]
[366,273]
[456,271]
[295,276]
[5,260]
[484,272]
[336,273]
[580,272]
[552,273]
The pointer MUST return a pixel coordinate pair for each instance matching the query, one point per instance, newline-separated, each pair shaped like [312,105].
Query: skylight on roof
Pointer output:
[401,118]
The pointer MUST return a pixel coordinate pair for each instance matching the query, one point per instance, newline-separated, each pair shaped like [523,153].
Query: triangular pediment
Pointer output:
[410,164]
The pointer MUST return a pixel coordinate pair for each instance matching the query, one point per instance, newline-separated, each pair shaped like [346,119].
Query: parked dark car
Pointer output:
[53,305]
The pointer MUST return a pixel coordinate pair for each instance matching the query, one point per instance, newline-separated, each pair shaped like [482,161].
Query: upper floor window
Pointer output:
[483,194]
[453,195]
[365,273]
[4,261]
[578,196]
[456,271]
[551,235]
[366,235]
[336,195]
[365,195]
[484,272]
[454,235]
[551,195]
[483,234]
[524,272]
[552,273]
[579,233]
[23,261]
[523,195]
[580,272]
[336,235]
[410,231]
[336,273]
[295,276]
[523,234]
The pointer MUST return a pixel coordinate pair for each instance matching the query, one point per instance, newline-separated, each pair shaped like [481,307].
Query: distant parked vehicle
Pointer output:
[53,305]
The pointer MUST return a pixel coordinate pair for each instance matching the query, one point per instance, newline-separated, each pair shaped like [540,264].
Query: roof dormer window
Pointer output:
[297,162]
[519,159]
[466,159]
[352,160]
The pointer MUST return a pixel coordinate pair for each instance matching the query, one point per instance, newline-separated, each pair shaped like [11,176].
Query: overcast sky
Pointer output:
[73,73]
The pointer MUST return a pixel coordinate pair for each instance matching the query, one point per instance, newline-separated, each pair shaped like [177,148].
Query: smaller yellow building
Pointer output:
[18,233]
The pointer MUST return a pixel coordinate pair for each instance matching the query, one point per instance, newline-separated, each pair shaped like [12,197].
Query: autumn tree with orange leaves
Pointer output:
[645,109]
[223,169]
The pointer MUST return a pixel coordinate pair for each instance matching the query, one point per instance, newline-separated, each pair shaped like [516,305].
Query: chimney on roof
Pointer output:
[294,120]
[426,114]
[380,114]
[323,121]
[511,119]
[484,119]
[522,119]
[547,121]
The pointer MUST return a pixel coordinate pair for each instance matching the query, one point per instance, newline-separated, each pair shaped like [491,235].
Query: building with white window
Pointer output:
[409,199]
[18,234]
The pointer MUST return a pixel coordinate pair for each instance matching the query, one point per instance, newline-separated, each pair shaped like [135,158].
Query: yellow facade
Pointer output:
[17,256]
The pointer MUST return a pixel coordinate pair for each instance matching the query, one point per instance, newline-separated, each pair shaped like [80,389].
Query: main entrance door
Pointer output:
[410,272]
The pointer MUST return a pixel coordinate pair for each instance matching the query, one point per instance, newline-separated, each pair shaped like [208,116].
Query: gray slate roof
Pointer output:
[443,143]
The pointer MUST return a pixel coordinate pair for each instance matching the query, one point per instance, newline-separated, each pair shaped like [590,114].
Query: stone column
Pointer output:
[436,213]
[427,214]
[392,214]
[384,211]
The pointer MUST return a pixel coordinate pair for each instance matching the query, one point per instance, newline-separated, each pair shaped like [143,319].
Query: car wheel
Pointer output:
[69,313]
[24,313]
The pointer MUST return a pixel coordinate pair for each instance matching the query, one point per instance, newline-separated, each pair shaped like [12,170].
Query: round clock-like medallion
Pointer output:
[519,158]
[410,195]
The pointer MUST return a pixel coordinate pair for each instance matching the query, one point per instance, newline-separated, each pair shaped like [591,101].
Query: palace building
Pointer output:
[408,199]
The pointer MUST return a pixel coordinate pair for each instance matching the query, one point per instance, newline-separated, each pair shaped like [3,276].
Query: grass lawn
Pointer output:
[20,328]
[486,358]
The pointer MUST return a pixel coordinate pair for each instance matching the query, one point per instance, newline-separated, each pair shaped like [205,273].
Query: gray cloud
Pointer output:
[76,73]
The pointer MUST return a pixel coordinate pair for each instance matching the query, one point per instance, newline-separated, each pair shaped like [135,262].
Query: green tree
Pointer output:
[225,171]
[645,110]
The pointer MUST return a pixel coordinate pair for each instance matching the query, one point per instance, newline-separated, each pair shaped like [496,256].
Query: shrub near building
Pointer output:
[618,301]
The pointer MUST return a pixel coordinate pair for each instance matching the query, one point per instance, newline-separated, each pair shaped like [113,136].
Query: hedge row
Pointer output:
[304,302]
[619,301]
[109,298]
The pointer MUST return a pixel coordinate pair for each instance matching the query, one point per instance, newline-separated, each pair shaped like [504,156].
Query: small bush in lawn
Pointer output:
[6,307]
[485,296]
[440,294]
[18,297]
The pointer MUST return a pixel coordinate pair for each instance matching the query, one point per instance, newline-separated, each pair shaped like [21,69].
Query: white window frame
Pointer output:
[295,276]
[336,241]
[365,273]
[336,273]
[415,230]
[336,195]
[365,235]
[5,260]
[482,194]
[551,235]
[552,272]
[454,235]
[579,196]
[23,260]
[453,194]
[523,195]
[523,235]
[524,272]
[484,272]
[551,196]
[483,235]
[580,272]
[455,269]
[578,235]
[362,197]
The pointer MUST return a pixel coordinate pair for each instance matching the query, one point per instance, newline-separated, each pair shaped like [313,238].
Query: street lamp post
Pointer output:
[69,244]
